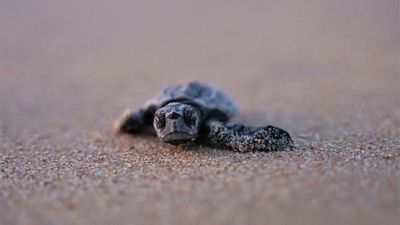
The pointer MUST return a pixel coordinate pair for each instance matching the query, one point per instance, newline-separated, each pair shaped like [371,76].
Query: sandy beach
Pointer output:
[325,71]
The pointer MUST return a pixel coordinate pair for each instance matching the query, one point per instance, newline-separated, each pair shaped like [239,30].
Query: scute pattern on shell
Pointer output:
[209,98]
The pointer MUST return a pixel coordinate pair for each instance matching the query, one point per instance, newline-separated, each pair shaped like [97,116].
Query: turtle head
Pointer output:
[177,123]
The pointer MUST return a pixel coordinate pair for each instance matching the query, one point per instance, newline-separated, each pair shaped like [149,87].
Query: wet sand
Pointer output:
[327,72]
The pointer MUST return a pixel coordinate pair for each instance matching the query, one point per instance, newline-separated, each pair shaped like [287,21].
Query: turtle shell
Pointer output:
[211,101]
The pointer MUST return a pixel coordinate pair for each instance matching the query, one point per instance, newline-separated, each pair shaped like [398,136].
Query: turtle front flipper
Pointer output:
[244,139]
[133,121]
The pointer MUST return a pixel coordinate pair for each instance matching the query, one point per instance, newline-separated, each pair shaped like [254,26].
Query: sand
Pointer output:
[326,71]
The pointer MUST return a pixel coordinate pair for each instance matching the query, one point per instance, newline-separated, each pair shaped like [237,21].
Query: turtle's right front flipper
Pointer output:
[133,121]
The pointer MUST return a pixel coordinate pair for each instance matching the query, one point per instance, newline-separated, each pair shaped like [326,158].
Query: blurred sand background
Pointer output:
[326,71]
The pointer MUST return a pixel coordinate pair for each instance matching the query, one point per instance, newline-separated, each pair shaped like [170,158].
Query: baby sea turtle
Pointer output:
[195,111]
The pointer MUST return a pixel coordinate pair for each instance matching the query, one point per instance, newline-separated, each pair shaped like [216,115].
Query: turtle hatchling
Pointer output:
[198,112]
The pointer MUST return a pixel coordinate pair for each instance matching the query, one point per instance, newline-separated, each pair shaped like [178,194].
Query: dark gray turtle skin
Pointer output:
[198,112]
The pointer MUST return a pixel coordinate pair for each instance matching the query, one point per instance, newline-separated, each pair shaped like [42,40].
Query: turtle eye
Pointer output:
[159,120]
[189,117]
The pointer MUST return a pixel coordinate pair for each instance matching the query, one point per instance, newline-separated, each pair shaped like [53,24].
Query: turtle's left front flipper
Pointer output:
[243,138]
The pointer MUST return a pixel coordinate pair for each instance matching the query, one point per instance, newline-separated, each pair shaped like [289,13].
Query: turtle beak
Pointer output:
[176,128]
[173,115]
[174,122]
